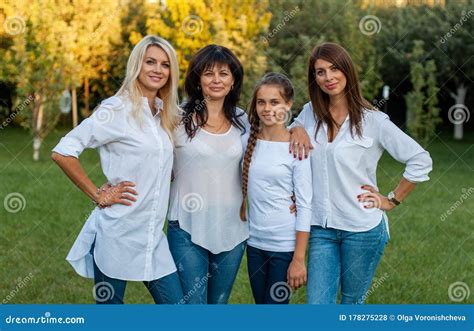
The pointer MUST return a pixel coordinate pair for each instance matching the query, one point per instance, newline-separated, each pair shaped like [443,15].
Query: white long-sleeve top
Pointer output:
[274,175]
[129,240]
[341,167]
[206,193]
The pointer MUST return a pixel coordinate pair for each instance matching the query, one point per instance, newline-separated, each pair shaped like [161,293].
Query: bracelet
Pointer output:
[97,193]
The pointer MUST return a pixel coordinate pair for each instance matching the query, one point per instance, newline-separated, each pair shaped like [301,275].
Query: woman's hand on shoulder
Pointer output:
[300,143]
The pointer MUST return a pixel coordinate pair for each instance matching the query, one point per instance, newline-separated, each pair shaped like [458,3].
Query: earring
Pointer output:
[199,87]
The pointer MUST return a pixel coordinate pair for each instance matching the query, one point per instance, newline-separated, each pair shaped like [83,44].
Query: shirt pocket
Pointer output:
[351,150]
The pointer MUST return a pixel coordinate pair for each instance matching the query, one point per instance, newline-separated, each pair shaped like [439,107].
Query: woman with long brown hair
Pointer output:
[348,136]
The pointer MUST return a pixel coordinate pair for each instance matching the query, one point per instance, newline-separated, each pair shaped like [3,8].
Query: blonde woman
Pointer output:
[123,238]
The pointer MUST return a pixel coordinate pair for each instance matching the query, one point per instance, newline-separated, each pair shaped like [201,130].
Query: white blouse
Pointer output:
[206,192]
[274,175]
[341,167]
[129,240]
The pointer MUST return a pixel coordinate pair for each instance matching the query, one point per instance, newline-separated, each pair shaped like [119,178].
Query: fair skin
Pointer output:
[216,83]
[271,107]
[333,82]
[154,74]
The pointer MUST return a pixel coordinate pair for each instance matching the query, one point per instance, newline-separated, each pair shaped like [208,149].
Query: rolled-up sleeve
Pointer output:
[405,149]
[303,188]
[99,129]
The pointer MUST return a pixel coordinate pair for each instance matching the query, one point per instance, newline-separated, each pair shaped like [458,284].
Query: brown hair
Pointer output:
[339,57]
[287,92]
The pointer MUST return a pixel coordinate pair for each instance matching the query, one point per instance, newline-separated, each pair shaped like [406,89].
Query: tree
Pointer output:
[36,56]
[423,114]
[297,26]
[191,25]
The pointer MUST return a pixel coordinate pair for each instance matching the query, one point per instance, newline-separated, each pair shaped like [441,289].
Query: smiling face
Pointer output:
[216,81]
[272,109]
[155,70]
[329,78]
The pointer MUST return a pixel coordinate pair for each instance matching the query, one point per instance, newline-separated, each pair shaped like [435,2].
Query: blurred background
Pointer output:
[60,58]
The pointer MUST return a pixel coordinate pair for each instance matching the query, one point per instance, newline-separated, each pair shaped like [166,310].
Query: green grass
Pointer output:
[424,256]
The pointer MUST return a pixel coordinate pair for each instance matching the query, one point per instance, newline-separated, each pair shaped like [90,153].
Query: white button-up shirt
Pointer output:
[129,240]
[341,167]
[274,175]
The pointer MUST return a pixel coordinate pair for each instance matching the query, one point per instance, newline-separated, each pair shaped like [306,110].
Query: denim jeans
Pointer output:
[268,275]
[345,260]
[107,290]
[205,277]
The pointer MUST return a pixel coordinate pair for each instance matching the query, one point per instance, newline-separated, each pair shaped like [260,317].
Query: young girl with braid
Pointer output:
[278,239]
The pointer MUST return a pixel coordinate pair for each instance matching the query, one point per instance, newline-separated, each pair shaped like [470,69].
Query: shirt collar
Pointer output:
[158,104]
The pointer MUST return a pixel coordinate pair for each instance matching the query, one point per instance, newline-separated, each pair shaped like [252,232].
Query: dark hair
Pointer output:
[287,92]
[339,57]
[203,60]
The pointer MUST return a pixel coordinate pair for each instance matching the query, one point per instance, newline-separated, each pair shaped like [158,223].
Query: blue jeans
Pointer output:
[205,277]
[107,290]
[268,275]
[345,260]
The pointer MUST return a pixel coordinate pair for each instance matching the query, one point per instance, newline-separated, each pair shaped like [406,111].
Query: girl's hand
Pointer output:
[109,195]
[300,143]
[296,274]
[293,209]
[373,199]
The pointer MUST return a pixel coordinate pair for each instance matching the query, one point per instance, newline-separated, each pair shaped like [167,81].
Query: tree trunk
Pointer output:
[458,113]
[37,126]
[74,108]
[86,96]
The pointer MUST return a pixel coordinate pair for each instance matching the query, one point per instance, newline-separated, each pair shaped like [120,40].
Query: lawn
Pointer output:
[429,249]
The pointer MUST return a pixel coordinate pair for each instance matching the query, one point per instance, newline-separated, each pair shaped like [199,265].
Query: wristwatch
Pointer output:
[391,198]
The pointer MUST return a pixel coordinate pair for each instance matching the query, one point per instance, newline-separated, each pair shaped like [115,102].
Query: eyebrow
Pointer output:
[152,58]
[331,66]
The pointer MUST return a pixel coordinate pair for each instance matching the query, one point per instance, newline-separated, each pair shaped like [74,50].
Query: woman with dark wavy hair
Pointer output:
[206,236]
[349,227]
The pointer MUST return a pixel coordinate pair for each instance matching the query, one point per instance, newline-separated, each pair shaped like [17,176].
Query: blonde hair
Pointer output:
[168,93]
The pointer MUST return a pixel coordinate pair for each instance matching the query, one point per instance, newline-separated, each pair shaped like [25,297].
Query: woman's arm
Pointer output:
[296,274]
[103,197]
[405,150]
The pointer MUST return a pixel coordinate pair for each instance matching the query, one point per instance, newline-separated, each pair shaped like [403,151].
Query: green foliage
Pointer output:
[423,113]
[293,36]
